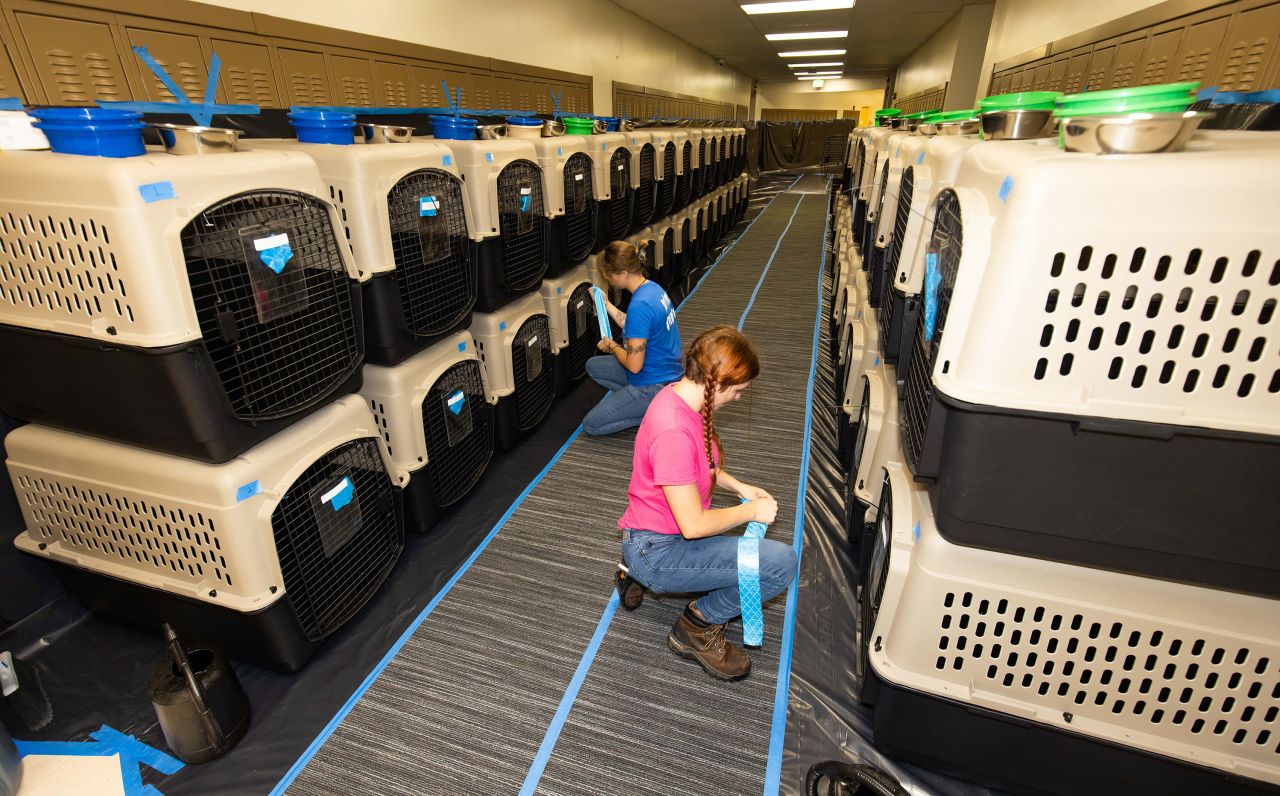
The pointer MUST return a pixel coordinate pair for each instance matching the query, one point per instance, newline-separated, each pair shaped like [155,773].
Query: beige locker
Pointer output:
[504,92]
[247,76]
[352,80]
[178,53]
[75,60]
[483,96]
[1249,61]
[393,84]
[1077,72]
[1201,51]
[1160,54]
[9,85]
[1124,69]
[306,79]
[425,83]
[1100,60]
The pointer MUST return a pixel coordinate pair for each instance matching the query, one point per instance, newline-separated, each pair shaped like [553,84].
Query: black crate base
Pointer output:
[564,378]
[168,400]
[507,431]
[1023,757]
[388,340]
[1183,504]
[492,293]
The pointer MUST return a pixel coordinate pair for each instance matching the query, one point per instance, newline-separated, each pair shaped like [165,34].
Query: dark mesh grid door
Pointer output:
[700,186]
[945,243]
[668,256]
[644,194]
[833,155]
[579,199]
[337,534]
[893,254]
[522,225]
[582,325]
[686,245]
[531,371]
[618,208]
[458,424]
[429,243]
[722,165]
[279,342]
[667,186]
[684,183]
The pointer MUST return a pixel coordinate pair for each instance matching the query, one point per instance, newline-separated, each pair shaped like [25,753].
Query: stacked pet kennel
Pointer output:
[185,334]
[1065,473]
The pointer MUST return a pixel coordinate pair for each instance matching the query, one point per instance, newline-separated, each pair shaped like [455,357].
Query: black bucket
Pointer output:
[203,711]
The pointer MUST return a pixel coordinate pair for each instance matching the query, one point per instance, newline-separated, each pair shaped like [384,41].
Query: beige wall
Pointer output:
[953,55]
[842,95]
[930,65]
[1021,25]
[591,37]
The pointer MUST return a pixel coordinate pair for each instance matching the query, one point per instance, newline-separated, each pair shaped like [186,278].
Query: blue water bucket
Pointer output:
[102,132]
[323,127]
[611,124]
[453,128]
[524,121]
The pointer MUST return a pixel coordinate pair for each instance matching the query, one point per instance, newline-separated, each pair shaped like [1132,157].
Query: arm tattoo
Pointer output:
[637,348]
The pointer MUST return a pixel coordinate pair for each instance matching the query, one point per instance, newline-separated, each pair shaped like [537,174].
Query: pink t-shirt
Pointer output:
[670,451]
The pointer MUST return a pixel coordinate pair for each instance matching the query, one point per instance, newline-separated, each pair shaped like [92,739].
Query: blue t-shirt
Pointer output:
[651,317]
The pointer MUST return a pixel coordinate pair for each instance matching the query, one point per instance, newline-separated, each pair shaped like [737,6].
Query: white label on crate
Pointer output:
[621,166]
[577,178]
[339,495]
[532,341]
[8,677]
[456,399]
[526,191]
[271,241]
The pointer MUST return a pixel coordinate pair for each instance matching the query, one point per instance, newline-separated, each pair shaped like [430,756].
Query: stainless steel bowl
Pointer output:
[183,139]
[1017,125]
[962,127]
[1131,134]
[926,129]
[386,133]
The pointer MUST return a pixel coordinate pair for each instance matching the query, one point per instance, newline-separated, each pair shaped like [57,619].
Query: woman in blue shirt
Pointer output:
[651,355]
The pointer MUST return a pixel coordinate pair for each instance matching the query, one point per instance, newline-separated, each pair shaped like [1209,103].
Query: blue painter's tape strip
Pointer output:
[10,104]
[777,736]
[157,191]
[749,597]
[162,75]
[462,346]
[920,159]
[180,107]
[602,313]
[105,743]
[502,326]
[488,157]
[1206,93]
[457,400]
[915,532]
[1006,188]
[276,257]
[566,702]
[932,280]
[428,206]
[760,282]
[340,495]
[248,490]
[448,160]
[139,751]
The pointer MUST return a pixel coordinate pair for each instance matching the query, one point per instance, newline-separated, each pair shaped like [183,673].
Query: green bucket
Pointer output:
[942,117]
[1022,101]
[576,126]
[883,112]
[1164,98]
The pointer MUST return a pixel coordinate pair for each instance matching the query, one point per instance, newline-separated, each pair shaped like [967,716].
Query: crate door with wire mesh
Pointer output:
[686,246]
[579,207]
[645,196]
[530,367]
[684,182]
[582,326]
[338,531]
[458,427]
[273,299]
[666,276]
[667,187]
[432,251]
[702,180]
[942,263]
[833,156]
[889,336]
[618,208]
[522,224]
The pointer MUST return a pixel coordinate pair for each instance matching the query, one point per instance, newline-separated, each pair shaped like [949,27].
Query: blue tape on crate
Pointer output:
[932,279]
[448,160]
[526,199]
[428,206]
[749,597]
[248,490]
[462,346]
[1006,188]
[602,313]
[920,159]
[276,257]
[457,400]
[157,191]
[340,495]
[10,104]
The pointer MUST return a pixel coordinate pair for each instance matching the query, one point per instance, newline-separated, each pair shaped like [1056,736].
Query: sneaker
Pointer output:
[708,646]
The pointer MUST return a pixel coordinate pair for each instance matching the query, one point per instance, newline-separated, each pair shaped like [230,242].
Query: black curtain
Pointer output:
[788,145]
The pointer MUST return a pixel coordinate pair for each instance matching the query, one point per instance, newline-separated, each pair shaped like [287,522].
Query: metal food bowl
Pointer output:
[926,129]
[386,133]
[964,127]
[1131,134]
[1017,125]
[182,139]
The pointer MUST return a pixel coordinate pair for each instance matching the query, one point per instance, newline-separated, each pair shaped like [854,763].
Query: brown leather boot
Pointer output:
[708,646]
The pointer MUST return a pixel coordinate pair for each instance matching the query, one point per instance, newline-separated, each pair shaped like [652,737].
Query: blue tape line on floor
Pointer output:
[105,743]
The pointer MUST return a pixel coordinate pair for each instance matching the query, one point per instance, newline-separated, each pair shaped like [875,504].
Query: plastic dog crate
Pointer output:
[613,164]
[568,165]
[644,157]
[404,215]
[684,168]
[506,189]
[437,424]
[698,138]
[686,245]
[888,173]
[1098,385]
[515,348]
[1037,676]
[266,555]
[664,237]
[874,177]
[574,329]
[665,149]
[210,294]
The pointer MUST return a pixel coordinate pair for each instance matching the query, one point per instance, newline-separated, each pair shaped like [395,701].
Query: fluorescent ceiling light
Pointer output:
[810,53]
[817,34]
[824,63]
[797,5]
[822,73]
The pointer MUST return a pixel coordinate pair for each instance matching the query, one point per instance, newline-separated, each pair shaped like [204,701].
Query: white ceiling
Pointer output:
[882,33]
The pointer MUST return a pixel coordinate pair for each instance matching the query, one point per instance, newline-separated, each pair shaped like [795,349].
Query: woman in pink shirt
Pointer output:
[671,537]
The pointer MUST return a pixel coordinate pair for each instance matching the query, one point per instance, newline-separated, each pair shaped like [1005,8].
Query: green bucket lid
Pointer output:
[888,112]
[1022,101]
[1164,98]
[920,114]
[942,117]
[578,126]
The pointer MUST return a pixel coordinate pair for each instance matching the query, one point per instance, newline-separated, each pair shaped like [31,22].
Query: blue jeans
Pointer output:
[670,563]
[622,409]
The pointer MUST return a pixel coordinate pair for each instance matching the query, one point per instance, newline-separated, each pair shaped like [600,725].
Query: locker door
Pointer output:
[1124,69]
[504,93]
[1162,51]
[353,79]
[393,84]
[306,79]
[482,92]
[9,85]
[1077,71]
[75,61]
[247,76]
[1057,74]
[1250,50]
[456,80]
[425,86]
[1040,76]
[1100,61]
[1202,48]
[181,57]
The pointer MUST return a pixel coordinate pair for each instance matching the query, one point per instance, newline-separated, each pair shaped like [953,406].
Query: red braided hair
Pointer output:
[720,357]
